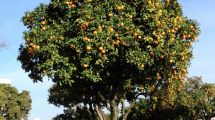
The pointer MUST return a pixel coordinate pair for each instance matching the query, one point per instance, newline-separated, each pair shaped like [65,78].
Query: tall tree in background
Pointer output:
[14,105]
[101,54]
[195,101]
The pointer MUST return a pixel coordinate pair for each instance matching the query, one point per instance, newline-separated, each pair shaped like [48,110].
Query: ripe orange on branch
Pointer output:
[44,28]
[88,48]
[84,26]
[110,14]
[86,39]
[85,65]
[120,7]
[103,51]
[100,49]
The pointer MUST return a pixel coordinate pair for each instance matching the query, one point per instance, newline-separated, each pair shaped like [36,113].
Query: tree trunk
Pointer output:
[114,111]
[123,110]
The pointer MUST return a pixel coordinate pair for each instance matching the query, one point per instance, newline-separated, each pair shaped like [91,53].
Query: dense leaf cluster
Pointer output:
[14,105]
[195,101]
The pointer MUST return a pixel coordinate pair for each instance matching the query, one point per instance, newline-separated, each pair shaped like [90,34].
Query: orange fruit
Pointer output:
[85,65]
[72,46]
[95,32]
[43,22]
[37,47]
[72,5]
[149,2]
[111,29]
[130,16]
[110,14]
[103,52]
[101,48]
[88,48]
[171,61]
[44,28]
[118,7]
[191,26]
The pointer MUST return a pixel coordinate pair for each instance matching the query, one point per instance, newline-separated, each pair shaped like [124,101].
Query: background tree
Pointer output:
[195,101]
[14,105]
[101,54]
[198,98]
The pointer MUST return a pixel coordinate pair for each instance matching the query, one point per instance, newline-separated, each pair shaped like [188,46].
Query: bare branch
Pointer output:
[101,96]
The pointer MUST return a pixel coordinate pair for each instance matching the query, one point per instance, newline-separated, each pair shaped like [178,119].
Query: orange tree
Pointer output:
[105,53]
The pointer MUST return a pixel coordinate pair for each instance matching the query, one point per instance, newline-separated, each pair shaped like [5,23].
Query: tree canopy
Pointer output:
[14,105]
[195,101]
[109,53]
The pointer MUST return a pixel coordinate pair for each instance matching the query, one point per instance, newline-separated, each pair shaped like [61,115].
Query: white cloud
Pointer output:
[37,118]
[5,81]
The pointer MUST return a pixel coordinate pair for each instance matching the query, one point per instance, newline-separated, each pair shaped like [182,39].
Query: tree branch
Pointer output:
[104,100]
[101,96]
[108,107]
[100,113]
[129,110]
[114,109]
[123,109]
[92,111]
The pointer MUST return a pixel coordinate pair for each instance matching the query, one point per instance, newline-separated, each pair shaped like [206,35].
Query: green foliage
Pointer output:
[14,105]
[103,52]
[2,118]
[195,101]
[77,113]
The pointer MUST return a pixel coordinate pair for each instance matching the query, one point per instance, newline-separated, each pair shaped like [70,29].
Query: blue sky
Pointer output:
[204,51]
[11,30]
